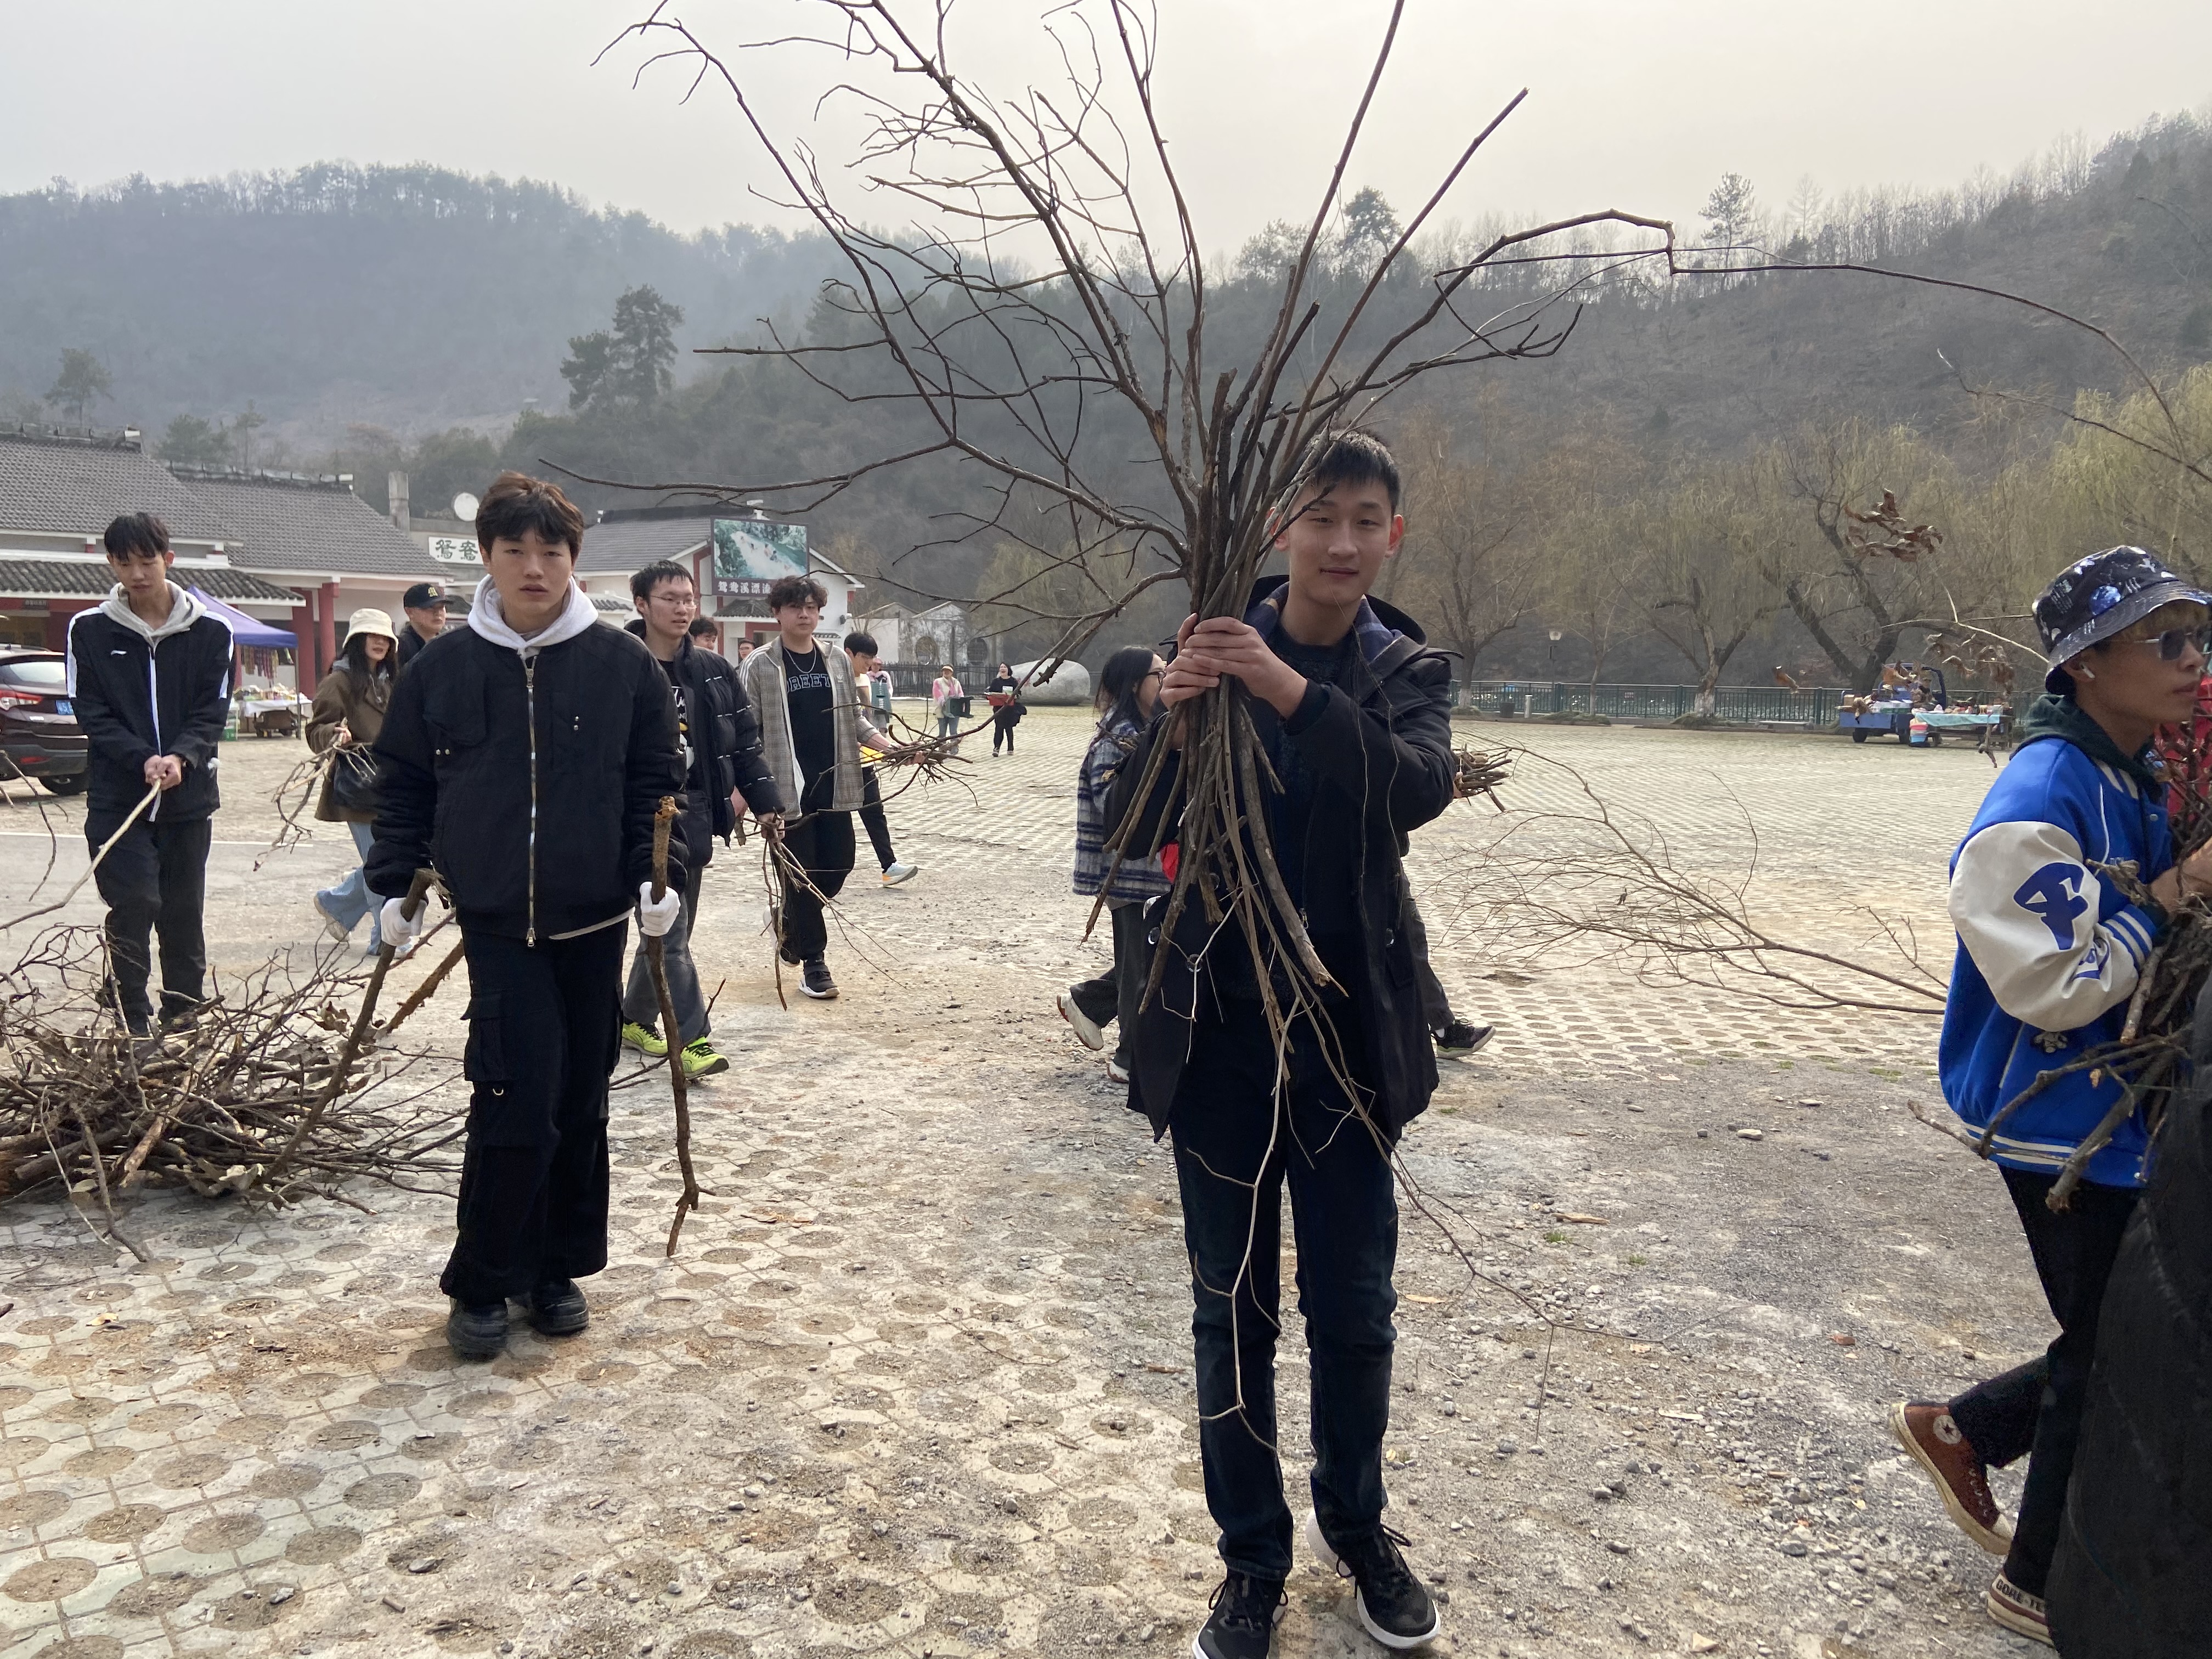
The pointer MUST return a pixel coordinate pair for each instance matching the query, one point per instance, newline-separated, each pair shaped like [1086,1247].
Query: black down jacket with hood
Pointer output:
[2131,1579]
[1381,755]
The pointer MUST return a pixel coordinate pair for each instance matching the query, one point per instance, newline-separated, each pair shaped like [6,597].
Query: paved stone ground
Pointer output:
[918,1381]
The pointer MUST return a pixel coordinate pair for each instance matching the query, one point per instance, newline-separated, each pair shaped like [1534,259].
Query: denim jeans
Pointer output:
[641,1001]
[1237,1143]
[350,900]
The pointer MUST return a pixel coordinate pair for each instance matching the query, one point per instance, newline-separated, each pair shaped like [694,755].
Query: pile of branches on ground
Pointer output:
[216,1108]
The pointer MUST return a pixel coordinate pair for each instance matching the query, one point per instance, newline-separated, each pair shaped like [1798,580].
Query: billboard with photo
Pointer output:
[752,555]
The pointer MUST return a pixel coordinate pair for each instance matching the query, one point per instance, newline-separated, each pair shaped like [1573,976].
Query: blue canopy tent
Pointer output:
[247,631]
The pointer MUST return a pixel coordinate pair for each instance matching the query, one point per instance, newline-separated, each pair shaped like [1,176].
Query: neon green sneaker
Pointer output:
[644,1039]
[700,1061]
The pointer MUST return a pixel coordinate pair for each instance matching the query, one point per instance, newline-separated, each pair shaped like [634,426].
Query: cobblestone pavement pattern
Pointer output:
[917,1383]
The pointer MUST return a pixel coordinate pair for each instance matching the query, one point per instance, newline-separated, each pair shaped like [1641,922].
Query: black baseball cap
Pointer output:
[423,596]
[2095,598]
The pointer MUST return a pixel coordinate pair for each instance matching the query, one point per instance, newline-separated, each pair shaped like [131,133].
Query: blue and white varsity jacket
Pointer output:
[2048,951]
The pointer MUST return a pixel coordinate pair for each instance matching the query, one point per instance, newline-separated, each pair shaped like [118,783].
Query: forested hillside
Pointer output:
[1668,493]
[406,296]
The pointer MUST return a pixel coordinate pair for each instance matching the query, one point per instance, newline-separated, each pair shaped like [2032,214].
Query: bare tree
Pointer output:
[1042,321]
[1468,559]
[1702,590]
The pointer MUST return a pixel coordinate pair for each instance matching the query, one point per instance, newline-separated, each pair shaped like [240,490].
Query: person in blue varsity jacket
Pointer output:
[2050,954]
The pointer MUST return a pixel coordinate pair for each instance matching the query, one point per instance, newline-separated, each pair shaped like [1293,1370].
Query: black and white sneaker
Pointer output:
[816,981]
[1460,1038]
[1086,1029]
[1394,1607]
[1246,1611]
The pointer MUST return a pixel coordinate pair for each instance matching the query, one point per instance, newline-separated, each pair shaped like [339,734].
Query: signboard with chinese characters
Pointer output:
[453,549]
[752,555]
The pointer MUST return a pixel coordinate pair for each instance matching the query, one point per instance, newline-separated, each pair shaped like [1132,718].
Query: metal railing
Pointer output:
[1743,705]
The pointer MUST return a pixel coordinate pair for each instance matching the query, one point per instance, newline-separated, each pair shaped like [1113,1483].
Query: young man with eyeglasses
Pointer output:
[2050,950]
[723,768]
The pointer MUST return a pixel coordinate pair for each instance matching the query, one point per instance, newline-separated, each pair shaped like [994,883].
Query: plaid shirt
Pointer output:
[1134,879]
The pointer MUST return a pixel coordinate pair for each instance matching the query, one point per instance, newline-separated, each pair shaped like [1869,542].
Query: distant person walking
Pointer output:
[348,715]
[1128,695]
[942,691]
[425,605]
[1004,694]
[150,677]
[875,684]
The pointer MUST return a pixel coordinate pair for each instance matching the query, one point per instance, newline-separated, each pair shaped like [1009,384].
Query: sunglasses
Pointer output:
[2171,644]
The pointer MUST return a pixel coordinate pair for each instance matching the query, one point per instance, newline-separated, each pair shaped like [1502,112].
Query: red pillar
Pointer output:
[326,633]
[303,619]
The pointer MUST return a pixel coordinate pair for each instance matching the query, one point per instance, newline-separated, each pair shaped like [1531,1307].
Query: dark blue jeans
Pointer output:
[1237,1143]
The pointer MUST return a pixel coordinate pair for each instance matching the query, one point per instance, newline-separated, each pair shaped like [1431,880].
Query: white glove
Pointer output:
[655,920]
[398,930]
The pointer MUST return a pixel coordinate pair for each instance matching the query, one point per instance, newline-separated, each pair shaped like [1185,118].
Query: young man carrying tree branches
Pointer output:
[813,721]
[523,758]
[1352,711]
[722,762]
[2051,951]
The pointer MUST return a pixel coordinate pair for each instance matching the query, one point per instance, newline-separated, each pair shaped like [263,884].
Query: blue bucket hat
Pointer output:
[2095,598]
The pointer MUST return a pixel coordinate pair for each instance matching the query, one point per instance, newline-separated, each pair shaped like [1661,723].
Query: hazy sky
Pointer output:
[1634,104]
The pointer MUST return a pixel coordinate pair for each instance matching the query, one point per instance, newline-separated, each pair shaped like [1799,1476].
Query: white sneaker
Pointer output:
[900,872]
[1086,1028]
[331,923]
[1115,1073]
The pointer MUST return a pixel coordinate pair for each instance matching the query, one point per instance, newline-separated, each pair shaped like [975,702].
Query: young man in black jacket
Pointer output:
[1353,711]
[522,759]
[722,761]
[150,679]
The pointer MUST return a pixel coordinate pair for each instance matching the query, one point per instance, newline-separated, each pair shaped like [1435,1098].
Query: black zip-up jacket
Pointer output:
[1378,751]
[726,748]
[530,787]
[136,699]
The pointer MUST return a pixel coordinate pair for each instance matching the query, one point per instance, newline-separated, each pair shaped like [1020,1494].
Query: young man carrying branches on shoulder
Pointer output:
[2050,954]
[723,766]
[813,721]
[1351,708]
[523,758]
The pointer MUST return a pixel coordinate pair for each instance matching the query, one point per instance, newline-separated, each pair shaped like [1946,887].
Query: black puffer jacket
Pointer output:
[136,699]
[529,787]
[726,748]
[2129,1580]
[1380,758]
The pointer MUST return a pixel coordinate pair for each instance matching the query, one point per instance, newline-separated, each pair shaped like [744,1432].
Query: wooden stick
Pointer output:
[105,848]
[662,818]
[421,993]
[410,907]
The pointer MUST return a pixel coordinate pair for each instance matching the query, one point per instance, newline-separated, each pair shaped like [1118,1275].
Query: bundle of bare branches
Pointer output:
[1480,772]
[209,1109]
[1044,322]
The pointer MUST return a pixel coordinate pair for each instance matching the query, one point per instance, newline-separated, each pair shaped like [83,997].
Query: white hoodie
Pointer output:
[183,611]
[485,617]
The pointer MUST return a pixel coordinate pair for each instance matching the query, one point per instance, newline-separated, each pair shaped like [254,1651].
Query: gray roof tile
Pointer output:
[285,525]
[79,579]
[55,486]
